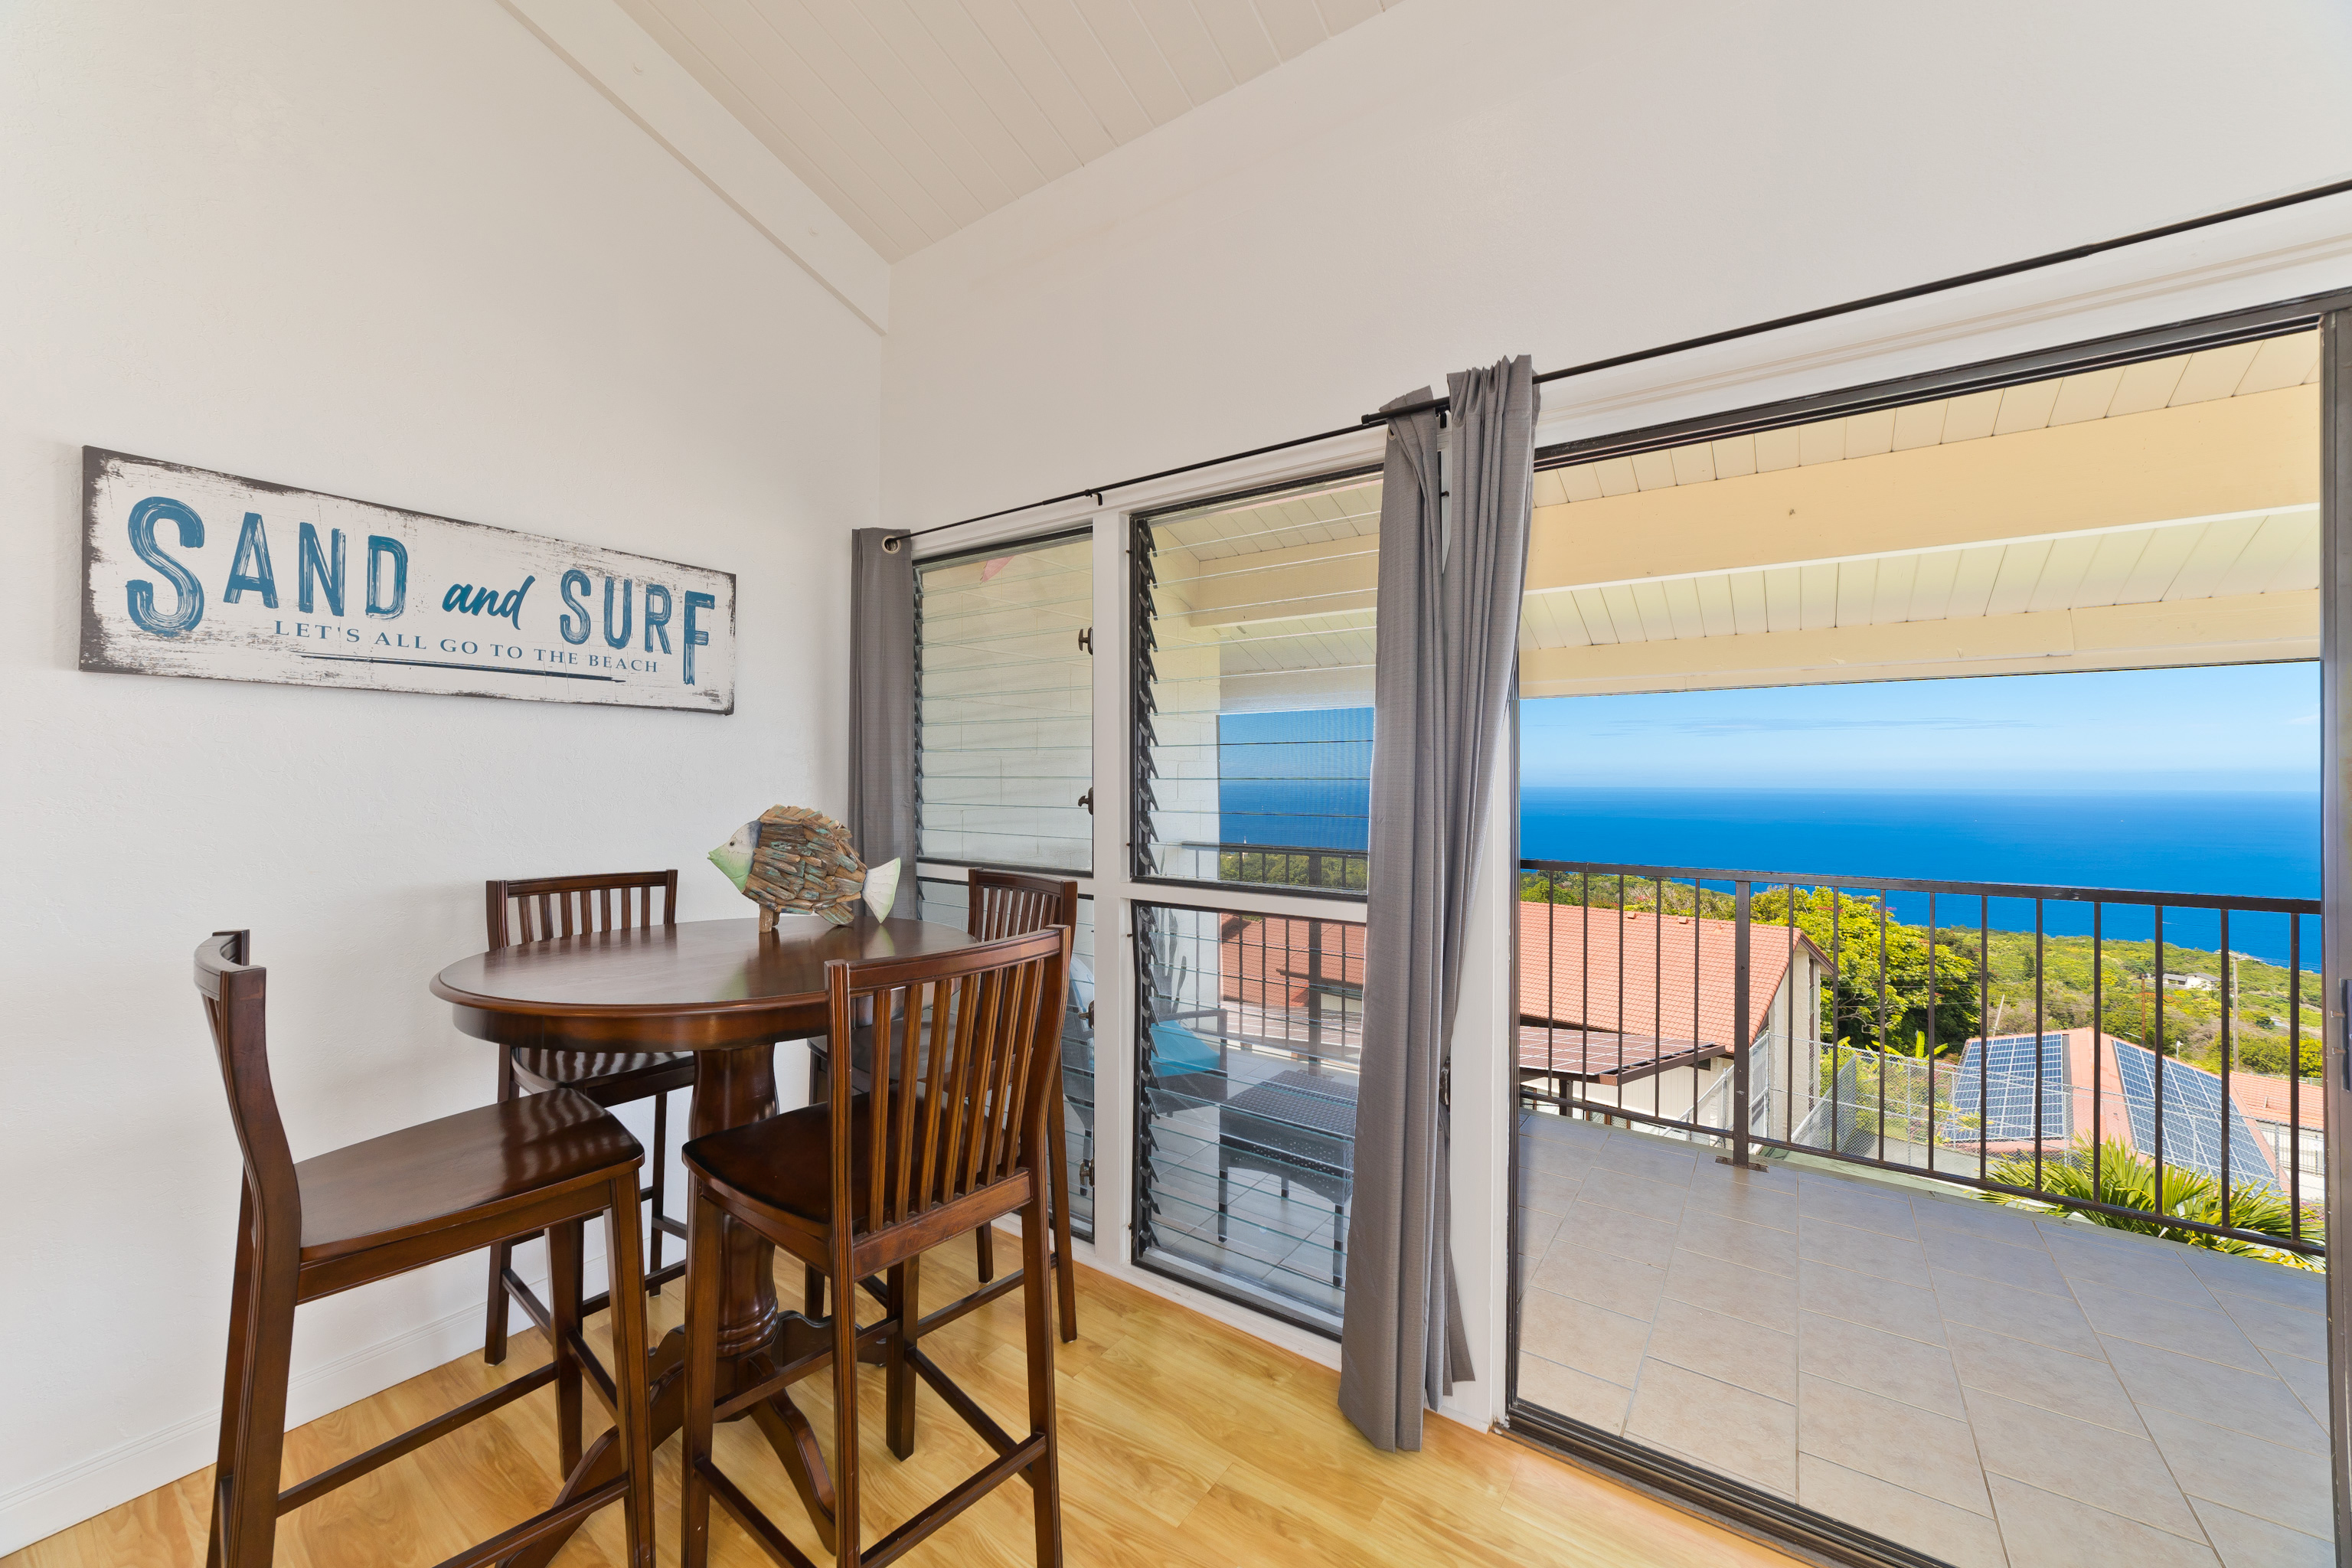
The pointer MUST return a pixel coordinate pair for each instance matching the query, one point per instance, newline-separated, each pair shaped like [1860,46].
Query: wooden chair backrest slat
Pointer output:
[975,1038]
[236,996]
[538,909]
[1007,903]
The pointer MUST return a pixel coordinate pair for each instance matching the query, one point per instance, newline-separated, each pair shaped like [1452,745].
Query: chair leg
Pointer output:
[1045,1474]
[494,1324]
[1338,1239]
[660,1184]
[235,1387]
[1065,1268]
[1221,1197]
[848,1538]
[633,1415]
[564,1296]
[983,1252]
[813,1291]
[258,1451]
[701,1374]
[906,1310]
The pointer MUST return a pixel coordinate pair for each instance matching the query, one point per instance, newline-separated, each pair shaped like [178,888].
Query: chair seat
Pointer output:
[786,1162]
[608,1078]
[438,1174]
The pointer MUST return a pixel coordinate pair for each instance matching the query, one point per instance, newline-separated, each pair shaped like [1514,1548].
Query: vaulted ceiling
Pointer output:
[913,118]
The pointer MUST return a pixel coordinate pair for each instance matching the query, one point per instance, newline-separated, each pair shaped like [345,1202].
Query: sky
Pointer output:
[2243,726]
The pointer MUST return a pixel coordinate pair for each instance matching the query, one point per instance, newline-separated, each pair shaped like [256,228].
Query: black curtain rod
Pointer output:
[1438,404]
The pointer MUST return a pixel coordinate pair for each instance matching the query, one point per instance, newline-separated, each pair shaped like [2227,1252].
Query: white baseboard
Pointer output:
[90,1486]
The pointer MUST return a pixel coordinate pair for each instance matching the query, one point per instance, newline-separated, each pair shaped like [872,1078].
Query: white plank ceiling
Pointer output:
[2234,372]
[913,118]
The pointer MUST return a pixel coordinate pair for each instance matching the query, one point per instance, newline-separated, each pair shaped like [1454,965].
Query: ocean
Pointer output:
[2247,843]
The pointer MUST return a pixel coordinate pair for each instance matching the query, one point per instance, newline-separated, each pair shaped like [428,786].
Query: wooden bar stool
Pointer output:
[999,904]
[371,1210]
[951,1135]
[535,909]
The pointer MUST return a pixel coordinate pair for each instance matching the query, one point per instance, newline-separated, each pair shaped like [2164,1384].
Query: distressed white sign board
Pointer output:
[186,572]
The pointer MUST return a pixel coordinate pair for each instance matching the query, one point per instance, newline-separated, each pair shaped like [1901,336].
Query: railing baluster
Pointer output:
[2098,1040]
[1885,1044]
[2159,1045]
[1931,1035]
[2040,1077]
[1984,1033]
[2295,1073]
[2229,1121]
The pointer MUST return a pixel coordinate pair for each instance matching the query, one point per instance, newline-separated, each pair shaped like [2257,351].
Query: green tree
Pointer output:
[1848,929]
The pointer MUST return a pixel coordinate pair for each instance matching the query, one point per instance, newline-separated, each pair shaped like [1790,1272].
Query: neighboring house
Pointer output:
[1634,1012]
[1296,984]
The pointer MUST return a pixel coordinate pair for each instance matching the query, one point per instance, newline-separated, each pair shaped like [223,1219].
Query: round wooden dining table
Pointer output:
[726,990]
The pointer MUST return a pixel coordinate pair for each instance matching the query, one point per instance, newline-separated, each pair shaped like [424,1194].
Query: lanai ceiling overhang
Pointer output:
[2162,513]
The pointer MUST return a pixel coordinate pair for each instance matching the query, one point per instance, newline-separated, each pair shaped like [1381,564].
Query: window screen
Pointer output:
[1254,687]
[1004,706]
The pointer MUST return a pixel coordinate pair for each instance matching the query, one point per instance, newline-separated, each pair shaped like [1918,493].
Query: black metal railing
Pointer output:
[1301,865]
[2152,1059]
[1249,1032]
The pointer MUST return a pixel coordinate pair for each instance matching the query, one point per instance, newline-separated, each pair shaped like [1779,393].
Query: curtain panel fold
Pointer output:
[882,699]
[1451,573]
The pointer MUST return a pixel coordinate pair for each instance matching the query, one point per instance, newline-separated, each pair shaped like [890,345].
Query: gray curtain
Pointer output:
[1450,578]
[882,700]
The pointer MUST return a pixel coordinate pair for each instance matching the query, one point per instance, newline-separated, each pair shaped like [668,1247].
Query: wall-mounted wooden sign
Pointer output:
[186,572]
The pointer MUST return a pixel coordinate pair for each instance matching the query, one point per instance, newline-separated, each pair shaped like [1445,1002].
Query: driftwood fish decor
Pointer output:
[796,862]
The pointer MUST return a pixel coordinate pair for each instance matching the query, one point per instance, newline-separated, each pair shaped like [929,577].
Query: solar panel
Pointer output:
[2006,1091]
[2192,1118]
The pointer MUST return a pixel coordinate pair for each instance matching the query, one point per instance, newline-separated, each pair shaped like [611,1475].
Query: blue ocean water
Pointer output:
[2255,844]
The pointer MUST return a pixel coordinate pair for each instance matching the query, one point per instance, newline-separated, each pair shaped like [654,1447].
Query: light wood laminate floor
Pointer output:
[1185,1443]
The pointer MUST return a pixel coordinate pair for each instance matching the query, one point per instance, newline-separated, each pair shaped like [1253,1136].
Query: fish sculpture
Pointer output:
[794,860]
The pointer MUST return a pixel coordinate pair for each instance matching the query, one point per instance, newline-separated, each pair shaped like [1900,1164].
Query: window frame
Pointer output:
[956,555]
[2330,314]
[1139,550]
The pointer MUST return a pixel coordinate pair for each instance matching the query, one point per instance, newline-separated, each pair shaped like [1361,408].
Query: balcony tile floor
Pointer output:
[1978,1382]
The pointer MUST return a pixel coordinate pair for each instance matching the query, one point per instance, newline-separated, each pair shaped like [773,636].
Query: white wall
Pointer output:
[400,252]
[1459,180]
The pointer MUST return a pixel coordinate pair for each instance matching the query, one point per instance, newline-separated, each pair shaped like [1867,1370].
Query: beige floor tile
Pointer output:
[2288,1330]
[1601,1278]
[1991,1222]
[1574,1393]
[1863,1251]
[1634,1194]
[1879,1362]
[1768,1300]
[1624,1235]
[1899,1444]
[2133,1268]
[1823,1196]
[1957,1536]
[2240,1276]
[1903,1310]
[1767,1198]
[1604,1344]
[1732,1429]
[2081,1386]
[1538,1230]
[2257,1403]
[1547,1194]
[2308,1379]
[2052,1320]
[2044,1530]
[1729,1350]
[2121,1314]
[2245,1541]
[2285,1486]
[2092,1464]
[2028,1269]
[1736,1241]
[1651,1158]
